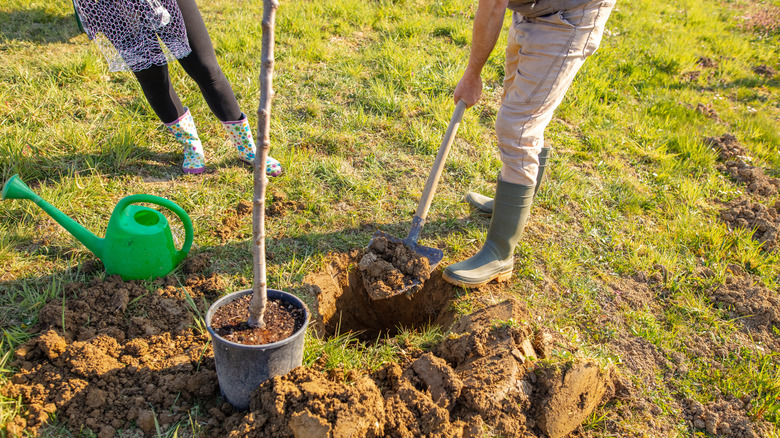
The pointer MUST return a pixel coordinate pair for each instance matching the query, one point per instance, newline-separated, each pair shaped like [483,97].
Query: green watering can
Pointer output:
[138,243]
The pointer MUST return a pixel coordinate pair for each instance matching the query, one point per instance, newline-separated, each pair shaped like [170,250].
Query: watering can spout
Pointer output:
[14,188]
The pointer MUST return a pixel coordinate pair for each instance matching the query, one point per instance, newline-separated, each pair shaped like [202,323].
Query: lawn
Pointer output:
[652,248]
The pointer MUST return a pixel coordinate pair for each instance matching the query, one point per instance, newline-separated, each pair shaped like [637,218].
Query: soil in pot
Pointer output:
[388,266]
[282,319]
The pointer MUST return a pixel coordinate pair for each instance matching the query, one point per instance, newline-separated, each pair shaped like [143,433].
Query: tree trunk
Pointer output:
[259,287]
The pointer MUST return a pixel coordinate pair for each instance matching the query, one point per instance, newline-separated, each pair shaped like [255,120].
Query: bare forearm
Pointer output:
[487,27]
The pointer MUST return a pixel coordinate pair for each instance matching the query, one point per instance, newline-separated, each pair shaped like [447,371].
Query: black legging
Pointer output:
[201,65]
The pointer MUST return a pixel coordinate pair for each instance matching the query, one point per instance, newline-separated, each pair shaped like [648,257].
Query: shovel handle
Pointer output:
[438,165]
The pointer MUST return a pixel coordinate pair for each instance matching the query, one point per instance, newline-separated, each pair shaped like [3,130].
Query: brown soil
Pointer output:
[764,70]
[727,146]
[709,112]
[281,319]
[343,305]
[706,62]
[754,178]
[113,355]
[118,358]
[481,379]
[281,205]
[721,418]
[756,307]
[642,362]
[390,268]
[232,222]
[755,216]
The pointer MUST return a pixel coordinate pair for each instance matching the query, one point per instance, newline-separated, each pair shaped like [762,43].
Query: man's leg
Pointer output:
[543,56]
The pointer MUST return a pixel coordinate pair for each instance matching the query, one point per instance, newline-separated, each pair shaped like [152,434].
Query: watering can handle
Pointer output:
[170,205]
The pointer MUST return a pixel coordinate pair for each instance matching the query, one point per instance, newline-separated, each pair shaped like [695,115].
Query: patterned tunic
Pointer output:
[135,34]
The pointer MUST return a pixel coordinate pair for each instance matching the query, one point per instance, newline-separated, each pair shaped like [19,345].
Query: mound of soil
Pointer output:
[755,216]
[232,222]
[113,355]
[753,304]
[118,358]
[728,147]
[282,206]
[753,177]
[389,267]
[722,418]
[764,70]
[482,378]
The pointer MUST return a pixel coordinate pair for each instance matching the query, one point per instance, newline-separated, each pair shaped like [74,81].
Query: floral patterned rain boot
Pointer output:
[241,136]
[184,130]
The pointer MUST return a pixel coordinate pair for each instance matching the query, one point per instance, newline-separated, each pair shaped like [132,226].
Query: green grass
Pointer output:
[363,98]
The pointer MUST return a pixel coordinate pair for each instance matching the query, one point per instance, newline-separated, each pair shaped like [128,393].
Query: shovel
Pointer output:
[433,255]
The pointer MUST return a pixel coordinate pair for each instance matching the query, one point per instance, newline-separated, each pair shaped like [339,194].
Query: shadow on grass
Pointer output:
[235,257]
[36,25]
[125,160]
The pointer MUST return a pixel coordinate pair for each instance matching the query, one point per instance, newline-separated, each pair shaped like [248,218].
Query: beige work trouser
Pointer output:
[543,55]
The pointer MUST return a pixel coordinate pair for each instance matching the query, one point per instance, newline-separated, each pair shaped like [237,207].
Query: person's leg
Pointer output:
[183,128]
[550,51]
[156,85]
[484,204]
[543,56]
[202,66]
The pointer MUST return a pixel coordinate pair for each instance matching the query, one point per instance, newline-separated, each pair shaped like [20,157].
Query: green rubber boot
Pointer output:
[484,204]
[496,258]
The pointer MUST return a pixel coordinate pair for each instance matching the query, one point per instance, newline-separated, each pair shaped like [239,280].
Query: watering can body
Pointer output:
[138,244]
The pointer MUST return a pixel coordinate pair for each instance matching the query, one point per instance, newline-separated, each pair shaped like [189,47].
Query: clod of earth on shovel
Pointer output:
[389,268]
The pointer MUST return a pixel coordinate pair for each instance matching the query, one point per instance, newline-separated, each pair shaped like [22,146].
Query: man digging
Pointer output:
[548,42]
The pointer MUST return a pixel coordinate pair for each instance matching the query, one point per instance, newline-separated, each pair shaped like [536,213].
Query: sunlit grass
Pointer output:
[363,99]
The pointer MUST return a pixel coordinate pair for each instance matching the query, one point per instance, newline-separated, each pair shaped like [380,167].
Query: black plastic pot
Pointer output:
[242,368]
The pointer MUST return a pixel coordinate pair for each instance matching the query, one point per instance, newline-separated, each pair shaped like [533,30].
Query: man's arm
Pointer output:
[487,27]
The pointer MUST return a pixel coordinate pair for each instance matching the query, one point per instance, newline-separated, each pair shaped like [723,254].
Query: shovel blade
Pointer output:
[433,255]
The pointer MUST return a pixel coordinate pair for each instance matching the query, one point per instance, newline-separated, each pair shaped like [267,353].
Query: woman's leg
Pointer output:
[156,85]
[202,66]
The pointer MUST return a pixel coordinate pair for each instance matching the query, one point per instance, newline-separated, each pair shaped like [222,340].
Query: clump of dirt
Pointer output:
[281,318]
[764,70]
[727,146]
[243,208]
[196,264]
[706,62]
[724,418]
[755,216]
[756,306]
[304,403]
[390,266]
[753,177]
[483,377]
[281,205]
[113,355]
[343,304]
[232,221]
[709,112]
